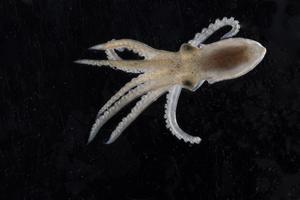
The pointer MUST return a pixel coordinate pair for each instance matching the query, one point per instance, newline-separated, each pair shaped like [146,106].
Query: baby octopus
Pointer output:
[164,71]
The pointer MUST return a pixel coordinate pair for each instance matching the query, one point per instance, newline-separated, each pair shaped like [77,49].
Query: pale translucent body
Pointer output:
[165,71]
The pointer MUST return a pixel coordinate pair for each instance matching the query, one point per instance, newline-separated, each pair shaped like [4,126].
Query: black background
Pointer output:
[249,126]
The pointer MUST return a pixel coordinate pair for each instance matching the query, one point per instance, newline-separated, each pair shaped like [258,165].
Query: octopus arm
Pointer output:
[140,106]
[118,105]
[112,55]
[170,116]
[207,32]
[142,78]
[131,66]
[137,47]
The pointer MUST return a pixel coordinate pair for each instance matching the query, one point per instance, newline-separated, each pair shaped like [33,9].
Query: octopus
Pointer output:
[169,72]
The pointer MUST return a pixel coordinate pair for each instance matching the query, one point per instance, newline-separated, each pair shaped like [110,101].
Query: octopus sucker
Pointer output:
[169,72]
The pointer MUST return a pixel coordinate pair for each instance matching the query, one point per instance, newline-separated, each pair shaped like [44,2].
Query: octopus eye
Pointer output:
[187,47]
[187,83]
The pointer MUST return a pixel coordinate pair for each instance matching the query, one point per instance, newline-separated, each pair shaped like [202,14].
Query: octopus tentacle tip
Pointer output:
[197,140]
[89,62]
[97,47]
[79,61]
[164,71]
[108,141]
[91,137]
[86,62]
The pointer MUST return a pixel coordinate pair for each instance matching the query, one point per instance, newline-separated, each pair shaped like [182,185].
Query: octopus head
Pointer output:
[230,58]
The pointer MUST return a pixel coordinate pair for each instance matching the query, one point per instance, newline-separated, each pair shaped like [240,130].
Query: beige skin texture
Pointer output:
[165,71]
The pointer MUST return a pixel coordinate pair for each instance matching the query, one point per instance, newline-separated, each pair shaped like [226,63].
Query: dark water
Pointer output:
[249,126]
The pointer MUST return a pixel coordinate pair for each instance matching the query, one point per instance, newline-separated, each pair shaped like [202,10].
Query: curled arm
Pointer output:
[170,116]
[207,32]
